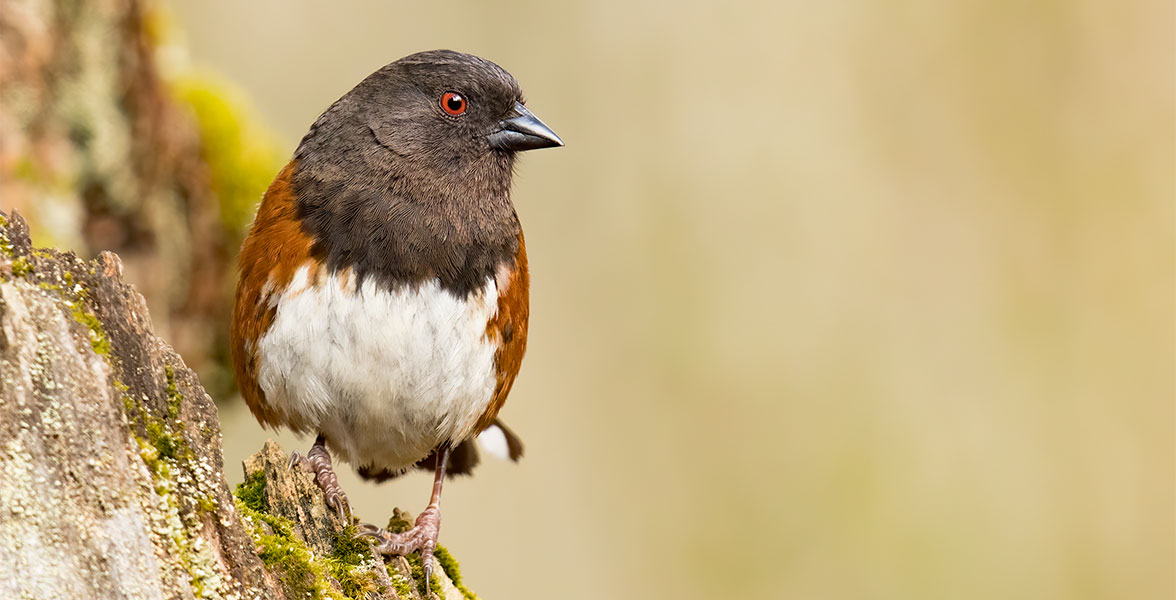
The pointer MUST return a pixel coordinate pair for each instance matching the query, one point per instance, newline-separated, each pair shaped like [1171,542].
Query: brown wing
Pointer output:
[274,249]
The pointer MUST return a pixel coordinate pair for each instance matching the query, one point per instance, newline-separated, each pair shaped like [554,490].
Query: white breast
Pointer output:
[386,375]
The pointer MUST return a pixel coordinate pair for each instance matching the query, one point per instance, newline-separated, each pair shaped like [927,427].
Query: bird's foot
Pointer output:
[319,461]
[423,537]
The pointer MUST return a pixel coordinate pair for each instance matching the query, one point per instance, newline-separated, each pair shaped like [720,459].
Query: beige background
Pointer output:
[831,300]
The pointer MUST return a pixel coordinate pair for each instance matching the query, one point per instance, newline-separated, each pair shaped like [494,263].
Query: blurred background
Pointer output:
[830,300]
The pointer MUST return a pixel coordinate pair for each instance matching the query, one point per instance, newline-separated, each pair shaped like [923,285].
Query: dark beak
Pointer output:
[522,131]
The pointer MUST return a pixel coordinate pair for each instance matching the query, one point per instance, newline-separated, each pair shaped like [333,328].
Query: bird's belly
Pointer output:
[385,374]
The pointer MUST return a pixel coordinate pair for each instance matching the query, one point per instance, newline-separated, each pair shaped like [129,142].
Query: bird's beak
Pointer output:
[522,131]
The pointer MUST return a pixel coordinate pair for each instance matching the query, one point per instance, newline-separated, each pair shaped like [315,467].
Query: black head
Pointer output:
[407,176]
[441,112]
[451,101]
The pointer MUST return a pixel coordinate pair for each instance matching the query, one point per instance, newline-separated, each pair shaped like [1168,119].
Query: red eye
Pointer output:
[453,103]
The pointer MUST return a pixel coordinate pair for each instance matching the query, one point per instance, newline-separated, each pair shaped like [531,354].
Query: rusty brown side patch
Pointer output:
[274,250]
[508,329]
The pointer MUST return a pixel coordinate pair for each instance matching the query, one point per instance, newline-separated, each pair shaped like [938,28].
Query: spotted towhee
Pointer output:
[382,304]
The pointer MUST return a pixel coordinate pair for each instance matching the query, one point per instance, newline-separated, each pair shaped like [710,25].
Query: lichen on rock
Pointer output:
[314,552]
[111,476]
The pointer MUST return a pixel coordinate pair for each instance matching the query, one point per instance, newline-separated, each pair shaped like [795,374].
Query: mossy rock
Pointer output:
[316,553]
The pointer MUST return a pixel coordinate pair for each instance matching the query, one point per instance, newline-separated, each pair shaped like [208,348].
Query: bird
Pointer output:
[382,303]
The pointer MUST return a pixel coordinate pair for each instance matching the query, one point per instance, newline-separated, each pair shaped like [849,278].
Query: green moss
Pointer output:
[348,548]
[241,154]
[5,244]
[162,440]
[174,398]
[453,570]
[354,581]
[397,523]
[75,299]
[279,525]
[21,267]
[348,564]
[251,502]
[195,558]
[252,492]
[165,452]
[301,574]
[168,445]
[417,569]
[98,340]
[206,505]
[150,456]
[128,402]
[400,584]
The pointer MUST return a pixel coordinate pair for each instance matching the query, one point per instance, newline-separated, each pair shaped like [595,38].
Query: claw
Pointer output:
[340,504]
[319,462]
[427,561]
[422,537]
[335,503]
[369,530]
[384,536]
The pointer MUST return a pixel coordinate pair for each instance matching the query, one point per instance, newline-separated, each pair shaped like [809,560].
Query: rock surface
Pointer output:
[111,476]
[286,510]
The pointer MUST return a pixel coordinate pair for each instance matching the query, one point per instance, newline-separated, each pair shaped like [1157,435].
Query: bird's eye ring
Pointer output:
[453,103]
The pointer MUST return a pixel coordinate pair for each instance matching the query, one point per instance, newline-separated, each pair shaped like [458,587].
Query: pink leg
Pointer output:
[423,536]
[319,461]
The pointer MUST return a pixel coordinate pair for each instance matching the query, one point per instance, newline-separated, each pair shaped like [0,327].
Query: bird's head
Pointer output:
[439,114]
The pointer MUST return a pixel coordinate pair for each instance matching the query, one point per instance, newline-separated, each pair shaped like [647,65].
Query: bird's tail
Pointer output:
[497,439]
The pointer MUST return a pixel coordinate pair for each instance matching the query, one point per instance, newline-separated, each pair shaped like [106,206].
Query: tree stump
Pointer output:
[111,474]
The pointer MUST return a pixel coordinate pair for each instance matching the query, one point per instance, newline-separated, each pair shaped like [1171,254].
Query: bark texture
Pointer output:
[111,475]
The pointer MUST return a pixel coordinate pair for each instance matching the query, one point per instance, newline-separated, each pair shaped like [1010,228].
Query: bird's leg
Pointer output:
[319,461]
[423,535]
